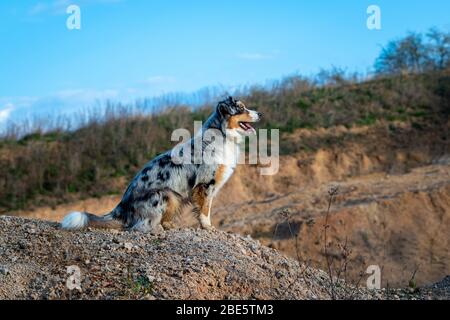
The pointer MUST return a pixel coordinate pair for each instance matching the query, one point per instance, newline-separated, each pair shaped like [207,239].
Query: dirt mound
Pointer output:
[178,264]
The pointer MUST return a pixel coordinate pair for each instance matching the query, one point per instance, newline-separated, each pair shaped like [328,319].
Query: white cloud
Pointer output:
[57,103]
[59,7]
[53,7]
[6,112]
[72,100]
[38,8]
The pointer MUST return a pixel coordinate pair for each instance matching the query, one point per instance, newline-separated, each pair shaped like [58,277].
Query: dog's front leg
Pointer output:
[202,196]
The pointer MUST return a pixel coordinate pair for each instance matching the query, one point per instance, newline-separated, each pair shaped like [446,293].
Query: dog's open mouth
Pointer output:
[246,126]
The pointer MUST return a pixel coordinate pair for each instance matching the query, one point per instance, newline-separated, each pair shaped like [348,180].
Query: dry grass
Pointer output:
[50,167]
[338,284]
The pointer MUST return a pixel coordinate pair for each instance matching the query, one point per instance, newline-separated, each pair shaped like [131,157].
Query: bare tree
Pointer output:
[407,55]
[439,49]
[415,53]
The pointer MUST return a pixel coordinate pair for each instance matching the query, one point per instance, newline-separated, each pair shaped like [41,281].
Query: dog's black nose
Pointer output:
[260,114]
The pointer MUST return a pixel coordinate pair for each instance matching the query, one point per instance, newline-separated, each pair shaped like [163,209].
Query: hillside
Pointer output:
[392,206]
[179,264]
[51,168]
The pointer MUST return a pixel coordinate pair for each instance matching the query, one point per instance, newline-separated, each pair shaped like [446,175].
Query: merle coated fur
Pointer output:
[162,187]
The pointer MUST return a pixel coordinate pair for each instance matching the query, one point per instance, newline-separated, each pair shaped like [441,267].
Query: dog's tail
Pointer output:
[80,220]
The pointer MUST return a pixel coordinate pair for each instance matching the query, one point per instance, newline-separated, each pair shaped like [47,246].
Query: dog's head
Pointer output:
[237,117]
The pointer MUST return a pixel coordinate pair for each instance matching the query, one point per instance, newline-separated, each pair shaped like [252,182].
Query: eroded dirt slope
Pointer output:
[399,222]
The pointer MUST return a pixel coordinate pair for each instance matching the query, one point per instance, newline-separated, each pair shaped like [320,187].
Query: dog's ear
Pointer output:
[225,107]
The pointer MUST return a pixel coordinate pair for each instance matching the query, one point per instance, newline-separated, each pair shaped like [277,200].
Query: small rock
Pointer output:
[4,271]
[22,244]
[128,246]
[254,248]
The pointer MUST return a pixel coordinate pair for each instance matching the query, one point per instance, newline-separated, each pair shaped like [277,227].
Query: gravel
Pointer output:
[177,264]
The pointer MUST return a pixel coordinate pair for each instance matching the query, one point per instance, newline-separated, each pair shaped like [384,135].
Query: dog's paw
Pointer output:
[208,227]
[168,225]
[157,230]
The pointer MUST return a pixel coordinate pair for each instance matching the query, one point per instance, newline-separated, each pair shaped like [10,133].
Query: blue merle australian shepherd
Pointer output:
[164,186]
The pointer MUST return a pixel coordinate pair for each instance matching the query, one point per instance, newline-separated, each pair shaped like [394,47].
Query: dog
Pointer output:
[161,189]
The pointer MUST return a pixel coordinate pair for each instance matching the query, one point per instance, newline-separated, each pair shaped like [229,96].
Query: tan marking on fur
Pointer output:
[233,121]
[174,205]
[200,199]
[220,172]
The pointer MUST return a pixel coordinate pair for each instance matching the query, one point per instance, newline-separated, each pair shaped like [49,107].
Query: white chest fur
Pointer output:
[225,152]
[227,160]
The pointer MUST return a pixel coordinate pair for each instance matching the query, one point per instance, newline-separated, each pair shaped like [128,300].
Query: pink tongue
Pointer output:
[247,126]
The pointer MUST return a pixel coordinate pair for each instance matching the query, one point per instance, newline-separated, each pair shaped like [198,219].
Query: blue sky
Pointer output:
[128,49]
